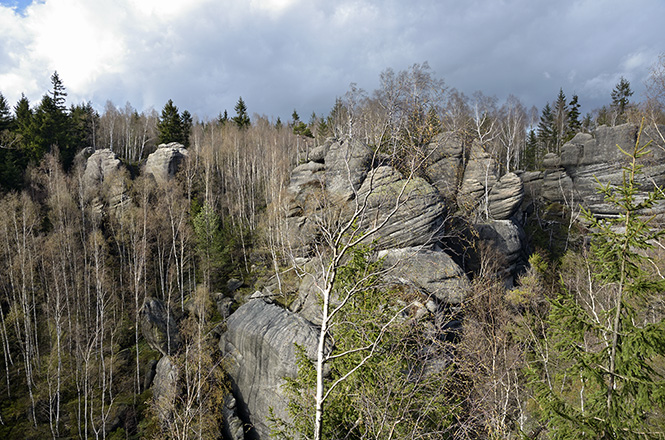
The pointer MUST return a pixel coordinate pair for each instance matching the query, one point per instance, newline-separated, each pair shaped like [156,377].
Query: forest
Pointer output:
[572,348]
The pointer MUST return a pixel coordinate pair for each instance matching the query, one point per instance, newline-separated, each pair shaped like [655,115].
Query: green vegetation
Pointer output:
[602,378]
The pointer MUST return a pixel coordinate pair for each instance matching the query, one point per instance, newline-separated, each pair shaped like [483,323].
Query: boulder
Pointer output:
[165,162]
[347,164]
[433,272]
[165,388]
[233,427]
[508,239]
[100,164]
[158,327]
[260,350]
[480,176]
[444,161]
[412,209]
[506,197]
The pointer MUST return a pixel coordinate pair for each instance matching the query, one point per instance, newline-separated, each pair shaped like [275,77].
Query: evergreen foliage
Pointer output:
[242,118]
[574,123]
[546,130]
[620,98]
[172,127]
[602,380]
[398,392]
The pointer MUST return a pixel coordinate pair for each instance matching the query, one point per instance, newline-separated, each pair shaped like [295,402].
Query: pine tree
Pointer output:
[223,118]
[530,156]
[84,125]
[601,379]
[242,118]
[58,93]
[6,120]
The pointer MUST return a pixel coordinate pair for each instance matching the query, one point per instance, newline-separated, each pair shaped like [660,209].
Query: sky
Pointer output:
[281,55]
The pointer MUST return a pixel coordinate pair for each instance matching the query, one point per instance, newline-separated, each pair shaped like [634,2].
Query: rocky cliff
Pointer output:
[340,179]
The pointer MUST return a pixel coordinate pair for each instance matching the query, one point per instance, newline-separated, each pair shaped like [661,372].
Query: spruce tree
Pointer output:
[574,123]
[560,114]
[620,101]
[242,118]
[546,129]
[601,378]
[530,156]
[6,120]
[170,125]
[186,123]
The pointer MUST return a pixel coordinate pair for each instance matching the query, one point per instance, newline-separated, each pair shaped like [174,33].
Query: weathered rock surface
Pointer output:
[347,164]
[444,156]
[165,387]
[433,272]
[506,196]
[508,239]
[588,159]
[165,161]
[100,164]
[158,327]
[233,427]
[418,220]
[479,176]
[260,347]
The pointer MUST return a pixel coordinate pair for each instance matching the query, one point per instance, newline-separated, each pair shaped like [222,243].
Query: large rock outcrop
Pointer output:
[444,161]
[588,159]
[409,212]
[159,327]
[260,344]
[506,197]
[165,161]
[432,272]
[572,177]
[347,164]
[100,165]
[480,175]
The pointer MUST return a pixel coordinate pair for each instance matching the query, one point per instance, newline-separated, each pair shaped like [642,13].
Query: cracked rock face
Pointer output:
[158,327]
[506,196]
[100,164]
[418,220]
[347,164]
[433,272]
[260,345]
[164,163]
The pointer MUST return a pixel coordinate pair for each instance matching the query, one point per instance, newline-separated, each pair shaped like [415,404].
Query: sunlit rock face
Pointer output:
[260,346]
[165,162]
[590,159]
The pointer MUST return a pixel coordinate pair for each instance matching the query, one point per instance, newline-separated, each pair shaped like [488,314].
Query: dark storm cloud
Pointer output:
[285,54]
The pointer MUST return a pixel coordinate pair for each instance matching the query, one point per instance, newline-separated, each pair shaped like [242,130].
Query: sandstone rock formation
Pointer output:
[165,387]
[433,272]
[480,175]
[444,161]
[410,210]
[506,196]
[100,164]
[158,327]
[347,164]
[165,161]
[260,346]
[572,178]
